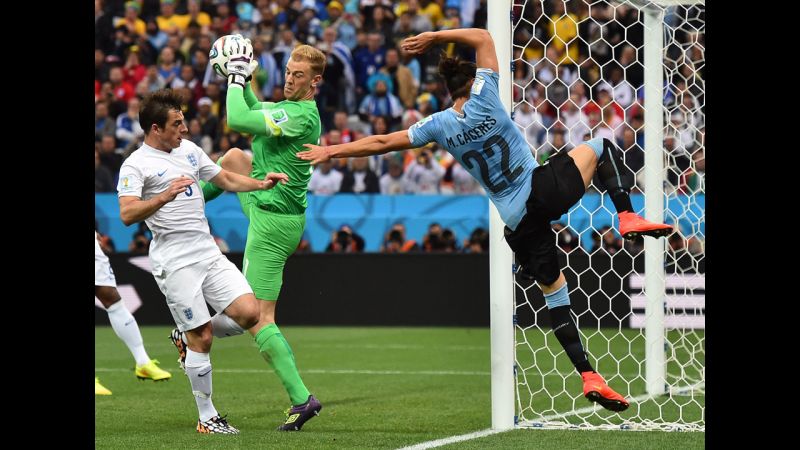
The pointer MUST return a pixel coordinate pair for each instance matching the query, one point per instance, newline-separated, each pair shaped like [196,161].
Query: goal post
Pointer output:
[501,280]
[639,307]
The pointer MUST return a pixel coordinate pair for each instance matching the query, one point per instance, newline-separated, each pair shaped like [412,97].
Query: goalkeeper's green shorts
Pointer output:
[271,238]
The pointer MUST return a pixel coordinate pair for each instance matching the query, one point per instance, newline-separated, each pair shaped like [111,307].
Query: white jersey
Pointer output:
[180,228]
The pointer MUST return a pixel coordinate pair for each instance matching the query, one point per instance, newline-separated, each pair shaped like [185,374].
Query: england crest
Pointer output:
[192,159]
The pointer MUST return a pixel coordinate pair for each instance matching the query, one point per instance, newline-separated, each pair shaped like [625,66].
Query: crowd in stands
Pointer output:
[577,74]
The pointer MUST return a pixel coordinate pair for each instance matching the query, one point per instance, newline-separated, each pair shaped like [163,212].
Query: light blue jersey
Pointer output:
[487,143]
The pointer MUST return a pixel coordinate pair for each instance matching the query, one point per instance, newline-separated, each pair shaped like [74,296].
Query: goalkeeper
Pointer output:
[277,219]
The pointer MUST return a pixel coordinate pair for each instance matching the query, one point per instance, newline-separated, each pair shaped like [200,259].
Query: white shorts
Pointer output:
[103,275]
[216,281]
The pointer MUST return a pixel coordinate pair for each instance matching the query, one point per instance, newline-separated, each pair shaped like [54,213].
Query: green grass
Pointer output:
[380,388]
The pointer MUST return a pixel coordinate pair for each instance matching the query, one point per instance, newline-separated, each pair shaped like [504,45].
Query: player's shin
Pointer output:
[564,328]
[276,351]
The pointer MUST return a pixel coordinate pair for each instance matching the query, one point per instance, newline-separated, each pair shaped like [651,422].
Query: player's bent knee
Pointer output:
[543,273]
[200,339]
[237,161]
[250,312]
[546,273]
[107,295]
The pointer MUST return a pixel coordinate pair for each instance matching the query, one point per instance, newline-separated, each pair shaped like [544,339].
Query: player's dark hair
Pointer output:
[155,108]
[456,73]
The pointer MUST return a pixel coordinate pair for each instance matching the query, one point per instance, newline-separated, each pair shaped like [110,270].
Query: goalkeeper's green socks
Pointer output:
[276,351]
[210,191]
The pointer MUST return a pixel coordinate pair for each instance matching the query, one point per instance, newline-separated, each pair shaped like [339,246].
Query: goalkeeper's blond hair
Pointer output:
[315,58]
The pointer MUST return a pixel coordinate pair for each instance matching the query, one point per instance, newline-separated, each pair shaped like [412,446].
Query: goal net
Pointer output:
[631,71]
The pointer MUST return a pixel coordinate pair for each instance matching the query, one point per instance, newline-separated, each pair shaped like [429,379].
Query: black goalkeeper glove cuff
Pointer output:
[235,78]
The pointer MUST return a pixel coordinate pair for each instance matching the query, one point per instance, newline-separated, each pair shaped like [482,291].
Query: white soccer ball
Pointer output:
[220,51]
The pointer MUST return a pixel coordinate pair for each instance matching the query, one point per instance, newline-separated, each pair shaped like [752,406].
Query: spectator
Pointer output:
[168,67]
[360,179]
[424,174]
[478,241]
[402,79]
[393,182]
[463,182]
[345,240]
[563,29]
[152,81]
[557,144]
[103,180]
[565,238]
[128,129]
[122,92]
[396,242]
[367,61]
[267,73]
[103,124]
[100,67]
[345,24]
[155,37]
[110,156]
[209,122]
[382,23]
[187,80]
[325,181]
[304,246]
[196,135]
[633,153]
[340,123]
[530,121]
[439,239]
[168,21]
[605,239]
[380,101]
[134,71]
[419,19]
[131,20]
[198,16]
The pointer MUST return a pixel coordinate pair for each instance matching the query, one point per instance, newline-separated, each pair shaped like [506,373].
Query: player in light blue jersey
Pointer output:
[479,133]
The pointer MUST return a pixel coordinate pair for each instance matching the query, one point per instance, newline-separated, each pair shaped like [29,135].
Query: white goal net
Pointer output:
[631,71]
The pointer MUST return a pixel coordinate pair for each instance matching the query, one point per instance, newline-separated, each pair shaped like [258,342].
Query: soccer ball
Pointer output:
[220,51]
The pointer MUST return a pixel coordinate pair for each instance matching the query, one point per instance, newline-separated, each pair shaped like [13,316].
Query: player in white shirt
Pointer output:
[122,321]
[159,183]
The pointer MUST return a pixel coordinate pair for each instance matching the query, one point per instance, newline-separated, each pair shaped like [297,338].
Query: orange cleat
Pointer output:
[632,225]
[596,390]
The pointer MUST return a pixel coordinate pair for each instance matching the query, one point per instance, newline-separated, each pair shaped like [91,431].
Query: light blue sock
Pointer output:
[558,298]
[597,146]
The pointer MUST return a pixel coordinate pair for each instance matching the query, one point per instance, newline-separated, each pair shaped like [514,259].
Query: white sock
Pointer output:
[223,326]
[198,368]
[124,324]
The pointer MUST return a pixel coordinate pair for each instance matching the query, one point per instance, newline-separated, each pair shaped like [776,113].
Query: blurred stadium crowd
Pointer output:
[577,73]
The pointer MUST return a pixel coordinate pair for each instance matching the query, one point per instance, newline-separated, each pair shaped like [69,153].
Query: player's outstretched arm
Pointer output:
[234,182]
[241,118]
[477,38]
[240,98]
[372,145]
[133,209]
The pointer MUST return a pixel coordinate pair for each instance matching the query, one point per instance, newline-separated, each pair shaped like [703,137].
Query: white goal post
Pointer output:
[640,307]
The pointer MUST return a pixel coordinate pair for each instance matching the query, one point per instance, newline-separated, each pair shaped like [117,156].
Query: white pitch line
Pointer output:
[489,432]
[453,439]
[336,371]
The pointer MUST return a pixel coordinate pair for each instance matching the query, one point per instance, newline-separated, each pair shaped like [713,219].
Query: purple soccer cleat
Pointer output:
[296,416]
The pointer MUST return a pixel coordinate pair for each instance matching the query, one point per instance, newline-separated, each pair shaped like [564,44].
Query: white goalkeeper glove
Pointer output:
[240,60]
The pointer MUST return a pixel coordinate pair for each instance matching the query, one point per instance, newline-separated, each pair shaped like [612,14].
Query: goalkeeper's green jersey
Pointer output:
[279,131]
